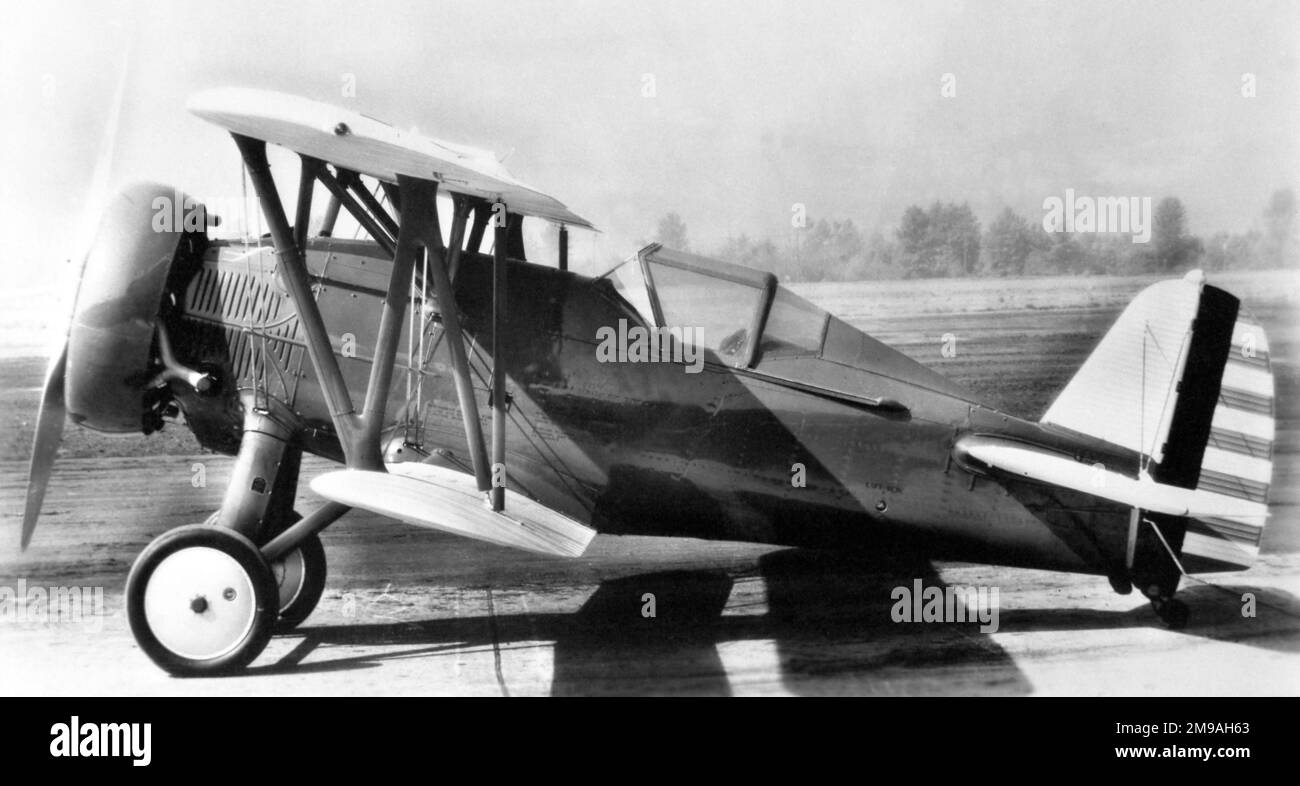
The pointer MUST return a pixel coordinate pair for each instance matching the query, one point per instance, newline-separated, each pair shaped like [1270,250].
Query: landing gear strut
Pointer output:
[205,599]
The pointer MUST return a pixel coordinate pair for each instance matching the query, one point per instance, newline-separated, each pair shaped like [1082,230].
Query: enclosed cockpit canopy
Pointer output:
[738,313]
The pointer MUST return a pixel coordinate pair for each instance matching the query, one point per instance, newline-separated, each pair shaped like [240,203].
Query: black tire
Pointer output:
[297,608]
[261,609]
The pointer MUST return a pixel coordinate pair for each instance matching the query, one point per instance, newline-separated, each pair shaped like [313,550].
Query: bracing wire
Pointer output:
[1178,564]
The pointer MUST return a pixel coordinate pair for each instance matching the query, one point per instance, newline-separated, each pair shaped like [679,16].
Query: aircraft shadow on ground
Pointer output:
[827,616]
[1216,613]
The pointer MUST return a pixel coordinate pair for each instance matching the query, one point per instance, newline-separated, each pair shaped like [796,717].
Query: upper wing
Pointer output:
[371,147]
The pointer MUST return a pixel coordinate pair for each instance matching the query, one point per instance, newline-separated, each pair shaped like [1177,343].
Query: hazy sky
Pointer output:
[756,106]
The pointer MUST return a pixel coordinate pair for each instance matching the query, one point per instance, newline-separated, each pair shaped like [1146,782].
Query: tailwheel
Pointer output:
[301,580]
[1173,612]
[201,601]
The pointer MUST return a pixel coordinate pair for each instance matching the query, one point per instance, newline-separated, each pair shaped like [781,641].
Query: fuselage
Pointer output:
[847,443]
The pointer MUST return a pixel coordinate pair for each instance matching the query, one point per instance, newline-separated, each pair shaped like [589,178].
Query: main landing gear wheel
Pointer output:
[301,580]
[201,601]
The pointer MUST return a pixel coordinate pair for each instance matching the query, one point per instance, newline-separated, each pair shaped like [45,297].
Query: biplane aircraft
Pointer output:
[468,391]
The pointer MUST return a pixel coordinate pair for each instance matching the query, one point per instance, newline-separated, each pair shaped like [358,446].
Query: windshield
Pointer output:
[722,304]
[722,313]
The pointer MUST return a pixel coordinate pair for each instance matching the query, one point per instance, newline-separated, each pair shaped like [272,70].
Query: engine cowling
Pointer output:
[145,230]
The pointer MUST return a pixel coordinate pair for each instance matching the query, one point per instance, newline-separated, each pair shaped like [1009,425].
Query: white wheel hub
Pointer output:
[199,603]
[290,576]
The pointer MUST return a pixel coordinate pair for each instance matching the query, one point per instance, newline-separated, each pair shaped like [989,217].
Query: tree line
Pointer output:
[947,240]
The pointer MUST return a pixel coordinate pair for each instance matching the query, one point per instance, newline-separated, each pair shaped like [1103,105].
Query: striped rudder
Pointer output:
[1238,464]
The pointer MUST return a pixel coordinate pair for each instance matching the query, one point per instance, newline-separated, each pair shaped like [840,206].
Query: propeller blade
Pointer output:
[49,434]
[54,408]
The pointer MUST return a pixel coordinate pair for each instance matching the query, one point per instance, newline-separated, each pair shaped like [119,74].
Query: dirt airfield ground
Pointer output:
[409,611]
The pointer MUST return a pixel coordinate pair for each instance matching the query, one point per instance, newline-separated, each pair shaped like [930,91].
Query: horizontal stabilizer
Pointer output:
[447,500]
[1045,466]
